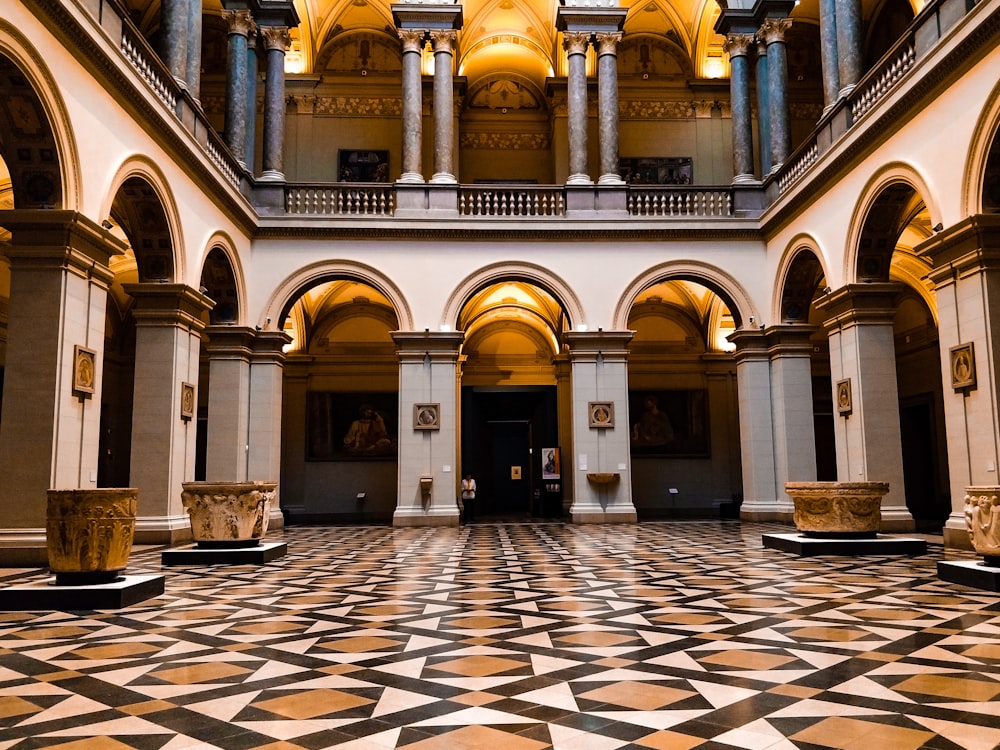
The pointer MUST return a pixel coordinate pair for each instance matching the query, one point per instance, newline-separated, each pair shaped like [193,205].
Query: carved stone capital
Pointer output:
[239,22]
[738,45]
[575,42]
[607,42]
[413,39]
[443,40]
[276,37]
[774,29]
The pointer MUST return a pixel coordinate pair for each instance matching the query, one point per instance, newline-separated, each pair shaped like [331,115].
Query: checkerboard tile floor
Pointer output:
[667,635]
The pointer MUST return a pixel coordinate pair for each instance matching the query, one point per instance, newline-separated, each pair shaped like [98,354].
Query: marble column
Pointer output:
[773,30]
[444,106]
[966,276]
[792,418]
[428,372]
[413,45]
[738,47]
[267,362]
[253,40]
[193,76]
[229,350]
[763,109]
[575,44]
[753,382]
[850,35]
[240,26]
[174,28]
[49,434]
[276,41]
[167,348]
[607,100]
[601,460]
[828,51]
[863,370]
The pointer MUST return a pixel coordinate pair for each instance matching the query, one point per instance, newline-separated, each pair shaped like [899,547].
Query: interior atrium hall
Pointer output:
[618,260]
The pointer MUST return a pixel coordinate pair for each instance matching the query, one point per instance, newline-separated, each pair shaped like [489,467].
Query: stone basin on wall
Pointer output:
[228,514]
[838,509]
[89,533]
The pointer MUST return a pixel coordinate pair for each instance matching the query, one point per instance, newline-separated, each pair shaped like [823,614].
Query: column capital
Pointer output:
[588,344]
[738,45]
[229,342]
[417,346]
[276,37]
[575,42]
[168,304]
[269,346]
[607,42]
[443,40]
[855,304]
[969,247]
[413,39]
[239,22]
[789,340]
[774,29]
[751,344]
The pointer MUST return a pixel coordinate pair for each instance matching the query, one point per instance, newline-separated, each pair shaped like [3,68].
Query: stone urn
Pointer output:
[228,514]
[89,534]
[838,509]
[982,519]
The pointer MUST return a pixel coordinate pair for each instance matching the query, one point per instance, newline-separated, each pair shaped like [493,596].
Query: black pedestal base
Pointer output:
[972,573]
[805,546]
[47,595]
[258,554]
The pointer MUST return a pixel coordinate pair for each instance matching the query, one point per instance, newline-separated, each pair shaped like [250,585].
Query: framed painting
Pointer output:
[963,367]
[351,426]
[84,371]
[656,170]
[669,422]
[845,399]
[362,166]
[188,403]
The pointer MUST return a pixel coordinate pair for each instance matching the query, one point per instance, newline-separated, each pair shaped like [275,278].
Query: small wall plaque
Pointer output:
[188,402]
[845,403]
[427,416]
[602,413]
[84,371]
[963,367]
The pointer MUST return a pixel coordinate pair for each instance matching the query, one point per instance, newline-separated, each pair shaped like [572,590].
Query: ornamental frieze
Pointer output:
[356,106]
[507,141]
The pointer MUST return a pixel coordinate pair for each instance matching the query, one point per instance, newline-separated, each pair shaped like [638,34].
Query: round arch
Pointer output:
[224,244]
[145,169]
[528,272]
[16,48]
[987,135]
[792,278]
[284,295]
[724,285]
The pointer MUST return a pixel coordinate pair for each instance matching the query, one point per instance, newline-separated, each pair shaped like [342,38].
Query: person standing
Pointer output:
[469,497]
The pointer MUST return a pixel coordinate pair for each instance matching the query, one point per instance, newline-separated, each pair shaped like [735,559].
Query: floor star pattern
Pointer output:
[665,635]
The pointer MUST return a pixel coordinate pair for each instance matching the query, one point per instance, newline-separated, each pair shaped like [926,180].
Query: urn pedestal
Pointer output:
[982,520]
[228,514]
[838,509]
[89,534]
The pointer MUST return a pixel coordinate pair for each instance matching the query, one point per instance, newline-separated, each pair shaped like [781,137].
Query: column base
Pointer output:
[271,175]
[169,530]
[596,513]
[579,179]
[610,179]
[429,517]
[443,178]
[745,179]
[411,177]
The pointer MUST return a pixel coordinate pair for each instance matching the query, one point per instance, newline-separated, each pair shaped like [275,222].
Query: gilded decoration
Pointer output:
[982,519]
[89,533]
[228,513]
[358,106]
[506,141]
[837,508]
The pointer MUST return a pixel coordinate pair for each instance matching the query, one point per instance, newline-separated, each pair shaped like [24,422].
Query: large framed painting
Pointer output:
[669,422]
[363,166]
[351,426]
[656,170]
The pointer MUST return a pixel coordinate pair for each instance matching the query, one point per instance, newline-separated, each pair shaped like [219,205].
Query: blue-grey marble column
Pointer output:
[738,47]
[575,43]
[828,50]
[773,30]
[413,44]
[849,40]
[276,40]
[240,23]
[193,76]
[174,36]
[444,106]
[763,109]
[607,106]
[251,98]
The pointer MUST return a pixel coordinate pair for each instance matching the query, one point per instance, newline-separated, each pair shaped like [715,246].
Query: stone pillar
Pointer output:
[828,51]
[601,460]
[267,362]
[276,40]
[174,29]
[763,109]
[773,30]
[59,280]
[564,407]
[428,369]
[413,44]
[193,76]
[237,84]
[607,99]
[575,44]
[753,382]
[444,106]
[792,409]
[966,276]
[850,34]
[167,347]
[229,350]
[738,46]
[250,151]
[866,398]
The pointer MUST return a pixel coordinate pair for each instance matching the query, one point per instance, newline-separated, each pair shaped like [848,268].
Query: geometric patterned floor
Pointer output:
[660,635]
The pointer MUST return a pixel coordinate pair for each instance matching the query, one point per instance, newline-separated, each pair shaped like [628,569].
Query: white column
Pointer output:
[228,403]
[863,371]
[267,362]
[167,347]
[428,457]
[600,377]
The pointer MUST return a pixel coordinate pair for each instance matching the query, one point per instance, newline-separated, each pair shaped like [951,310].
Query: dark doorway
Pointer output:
[920,465]
[511,480]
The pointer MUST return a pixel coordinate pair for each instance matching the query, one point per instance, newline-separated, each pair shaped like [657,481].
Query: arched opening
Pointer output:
[991,179]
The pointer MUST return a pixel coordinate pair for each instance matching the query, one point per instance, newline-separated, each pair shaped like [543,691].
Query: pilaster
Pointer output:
[229,348]
[267,362]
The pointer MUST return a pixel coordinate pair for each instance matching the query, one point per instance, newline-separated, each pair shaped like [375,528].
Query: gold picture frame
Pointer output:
[601,414]
[84,371]
[963,366]
[427,416]
[845,399]
[188,401]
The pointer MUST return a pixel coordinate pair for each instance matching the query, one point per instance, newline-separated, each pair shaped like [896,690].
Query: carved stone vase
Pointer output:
[228,514]
[982,519]
[89,534]
[838,509]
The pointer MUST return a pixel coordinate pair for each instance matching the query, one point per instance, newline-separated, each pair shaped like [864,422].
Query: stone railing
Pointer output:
[883,77]
[353,199]
[520,201]
[679,201]
[148,66]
